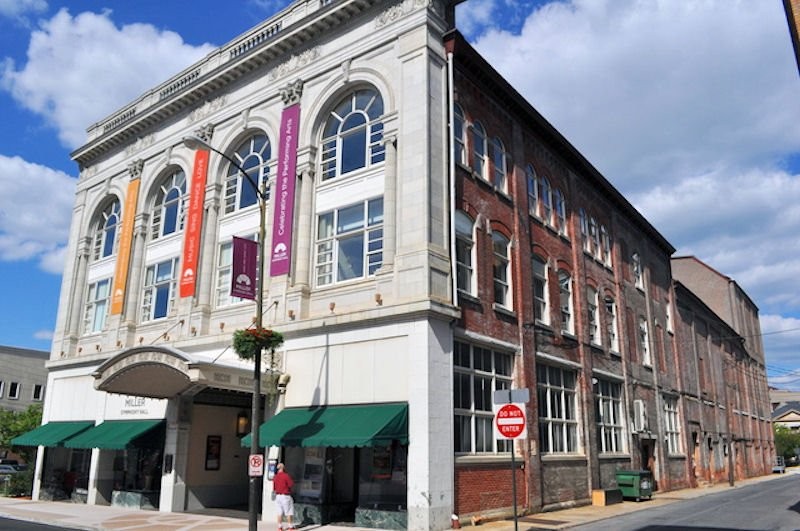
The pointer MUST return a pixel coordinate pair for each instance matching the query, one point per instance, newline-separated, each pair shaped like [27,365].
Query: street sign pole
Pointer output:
[510,423]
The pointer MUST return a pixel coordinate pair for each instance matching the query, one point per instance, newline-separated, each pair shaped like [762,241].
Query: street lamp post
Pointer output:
[195,143]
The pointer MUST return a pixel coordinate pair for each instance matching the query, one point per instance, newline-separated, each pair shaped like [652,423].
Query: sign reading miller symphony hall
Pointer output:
[284,192]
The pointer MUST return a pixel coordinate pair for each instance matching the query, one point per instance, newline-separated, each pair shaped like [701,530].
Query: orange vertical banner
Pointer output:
[194,224]
[125,243]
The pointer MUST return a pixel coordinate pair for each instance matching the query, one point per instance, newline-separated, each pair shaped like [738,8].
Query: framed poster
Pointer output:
[213,451]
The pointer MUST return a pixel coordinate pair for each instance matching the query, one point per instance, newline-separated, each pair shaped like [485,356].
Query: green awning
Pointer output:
[112,434]
[52,433]
[340,426]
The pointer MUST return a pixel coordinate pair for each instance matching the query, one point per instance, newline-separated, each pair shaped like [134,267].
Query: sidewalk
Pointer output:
[102,518]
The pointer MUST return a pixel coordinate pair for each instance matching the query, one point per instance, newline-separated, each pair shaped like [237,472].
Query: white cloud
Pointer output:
[35,211]
[43,334]
[80,69]
[18,8]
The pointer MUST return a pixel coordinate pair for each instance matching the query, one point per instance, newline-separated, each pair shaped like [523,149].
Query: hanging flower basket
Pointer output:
[251,342]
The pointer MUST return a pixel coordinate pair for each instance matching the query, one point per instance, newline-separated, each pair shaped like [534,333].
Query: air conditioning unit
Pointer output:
[639,416]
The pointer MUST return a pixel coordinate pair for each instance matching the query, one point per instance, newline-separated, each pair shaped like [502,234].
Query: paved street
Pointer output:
[770,505]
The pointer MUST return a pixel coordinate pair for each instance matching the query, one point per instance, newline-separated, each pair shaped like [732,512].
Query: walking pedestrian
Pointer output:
[282,485]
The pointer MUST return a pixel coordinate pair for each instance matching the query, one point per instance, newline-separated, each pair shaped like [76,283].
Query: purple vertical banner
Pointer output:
[244,267]
[283,195]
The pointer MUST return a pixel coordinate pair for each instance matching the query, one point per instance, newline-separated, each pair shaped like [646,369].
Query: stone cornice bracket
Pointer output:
[205,132]
[389,138]
[291,93]
[135,169]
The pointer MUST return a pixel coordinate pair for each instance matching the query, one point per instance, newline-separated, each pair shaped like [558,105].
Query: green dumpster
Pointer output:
[635,484]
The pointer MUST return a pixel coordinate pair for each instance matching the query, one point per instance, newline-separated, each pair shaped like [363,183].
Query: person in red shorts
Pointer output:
[282,485]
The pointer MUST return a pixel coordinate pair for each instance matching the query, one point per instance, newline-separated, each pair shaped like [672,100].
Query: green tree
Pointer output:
[14,424]
[786,440]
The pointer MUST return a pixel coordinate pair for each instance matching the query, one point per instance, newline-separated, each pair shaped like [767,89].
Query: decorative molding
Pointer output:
[400,10]
[135,168]
[346,71]
[205,132]
[87,172]
[291,93]
[295,62]
[209,108]
[140,144]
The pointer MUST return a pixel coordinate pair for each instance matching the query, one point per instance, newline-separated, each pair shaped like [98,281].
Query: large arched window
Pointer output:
[169,205]
[252,155]
[533,190]
[458,135]
[546,197]
[106,230]
[465,246]
[499,164]
[479,150]
[353,136]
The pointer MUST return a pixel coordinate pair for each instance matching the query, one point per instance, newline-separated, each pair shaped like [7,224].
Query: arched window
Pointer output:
[499,163]
[169,206]
[546,197]
[465,246]
[533,190]
[353,136]
[502,271]
[561,211]
[458,135]
[105,232]
[611,323]
[565,290]
[540,295]
[252,155]
[594,318]
[479,150]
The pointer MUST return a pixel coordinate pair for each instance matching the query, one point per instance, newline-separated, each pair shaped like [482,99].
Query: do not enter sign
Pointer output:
[509,422]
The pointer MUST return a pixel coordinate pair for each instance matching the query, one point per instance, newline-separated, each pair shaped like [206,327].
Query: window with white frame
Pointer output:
[636,269]
[499,163]
[605,242]
[611,324]
[96,309]
[349,242]
[540,296]
[546,199]
[14,390]
[594,238]
[38,392]
[2,388]
[479,150]
[465,248]
[224,272]
[565,301]
[560,206]
[594,318]
[252,155]
[502,270]
[671,425]
[106,230]
[477,373]
[668,311]
[608,415]
[353,135]
[158,295]
[558,413]
[169,206]
[533,190]
[644,341]
[586,242]
[459,130]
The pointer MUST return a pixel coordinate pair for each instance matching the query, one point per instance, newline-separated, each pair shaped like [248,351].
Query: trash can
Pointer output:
[635,484]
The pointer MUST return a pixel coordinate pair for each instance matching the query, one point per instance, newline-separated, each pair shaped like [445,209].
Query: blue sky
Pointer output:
[691,109]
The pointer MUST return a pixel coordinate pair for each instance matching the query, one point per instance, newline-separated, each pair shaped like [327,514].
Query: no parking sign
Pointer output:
[255,465]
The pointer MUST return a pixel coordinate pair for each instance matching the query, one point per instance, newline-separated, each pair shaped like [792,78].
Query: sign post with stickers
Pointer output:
[510,424]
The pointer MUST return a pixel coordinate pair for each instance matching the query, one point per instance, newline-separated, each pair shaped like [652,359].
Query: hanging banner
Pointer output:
[283,195]
[194,224]
[125,243]
[243,268]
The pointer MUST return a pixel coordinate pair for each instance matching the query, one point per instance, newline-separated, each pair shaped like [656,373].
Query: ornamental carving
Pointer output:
[295,62]
[291,93]
[135,168]
[209,108]
[400,10]
[205,133]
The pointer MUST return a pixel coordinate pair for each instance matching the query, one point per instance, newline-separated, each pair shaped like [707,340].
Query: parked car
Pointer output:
[779,466]
[8,469]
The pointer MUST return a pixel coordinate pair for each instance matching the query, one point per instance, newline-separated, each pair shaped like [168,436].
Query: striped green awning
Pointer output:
[113,434]
[52,433]
[339,426]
